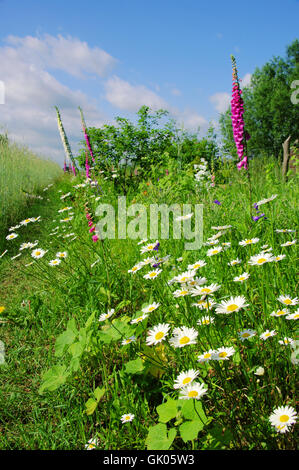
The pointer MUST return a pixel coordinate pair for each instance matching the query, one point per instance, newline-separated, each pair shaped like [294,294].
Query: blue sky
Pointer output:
[112,57]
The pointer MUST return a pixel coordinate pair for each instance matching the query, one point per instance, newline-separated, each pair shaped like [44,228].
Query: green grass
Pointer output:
[22,175]
[50,386]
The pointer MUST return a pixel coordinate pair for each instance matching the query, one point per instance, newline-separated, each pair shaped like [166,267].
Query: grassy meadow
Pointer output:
[23,175]
[139,343]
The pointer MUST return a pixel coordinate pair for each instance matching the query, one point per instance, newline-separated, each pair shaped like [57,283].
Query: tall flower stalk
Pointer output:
[86,135]
[65,143]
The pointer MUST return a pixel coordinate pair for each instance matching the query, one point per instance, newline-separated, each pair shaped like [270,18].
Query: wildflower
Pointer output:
[92,444]
[282,418]
[193,390]
[185,378]
[157,334]
[206,356]
[38,253]
[61,254]
[234,262]
[204,304]
[67,219]
[261,258]
[284,230]
[214,251]
[234,304]
[223,227]
[279,257]
[126,418]
[267,334]
[2,308]
[287,341]
[151,307]
[279,313]
[205,290]
[54,262]
[138,319]
[286,300]
[95,238]
[142,241]
[104,316]
[259,371]
[293,316]
[128,340]
[289,243]
[198,264]
[217,202]
[242,278]
[135,268]
[11,236]
[146,261]
[149,247]
[181,292]
[183,336]
[185,277]
[64,209]
[264,201]
[245,334]
[222,354]
[205,321]
[152,274]
[249,241]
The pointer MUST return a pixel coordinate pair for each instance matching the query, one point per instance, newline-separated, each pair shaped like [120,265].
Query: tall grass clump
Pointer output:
[22,175]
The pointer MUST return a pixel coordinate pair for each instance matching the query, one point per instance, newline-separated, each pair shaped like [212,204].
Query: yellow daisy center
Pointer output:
[159,335]
[267,334]
[139,318]
[186,380]
[280,312]
[248,241]
[150,309]
[193,394]
[206,290]
[134,269]
[297,315]
[205,322]
[242,278]
[231,307]
[184,292]
[287,301]
[284,418]
[214,252]
[183,278]
[223,354]
[245,335]
[37,253]
[207,355]
[261,260]
[1,309]
[184,340]
[153,274]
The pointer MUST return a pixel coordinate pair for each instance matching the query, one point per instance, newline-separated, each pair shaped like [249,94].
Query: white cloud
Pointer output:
[220,101]
[125,96]
[176,92]
[246,80]
[31,92]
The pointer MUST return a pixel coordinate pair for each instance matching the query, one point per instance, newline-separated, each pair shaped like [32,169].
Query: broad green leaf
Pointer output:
[90,320]
[134,367]
[76,349]
[99,393]
[66,338]
[189,412]
[91,406]
[53,378]
[190,429]
[168,410]
[158,439]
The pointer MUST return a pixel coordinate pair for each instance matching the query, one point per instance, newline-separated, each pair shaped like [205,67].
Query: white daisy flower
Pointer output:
[206,356]
[92,444]
[64,209]
[205,321]
[54,262]
[151,307]
[193,390]
[246,334]
[184,217]
[61,254]
[64,196]
[242,278]
[267,334]
[198,264]
[142,241]
[67,219]
[222,227]
[185,378]
[259,371]
[287,341]
[211,242]
[149,247]
[205,290]
[279,257]
[264,201]
[284,230]
[128,340]
[181,292]
[279,313]
[286,300]
[11,236]
[104,316]
[135,268]
[234,304]
[249,241]
[183,336]
[293,316]
[214,251]
[157,334]
[222,354]
[204,304]
[234,262]
[126,418]
[147,261]
[138,319]
[152,274]
[283,417]
[261,258]
[185,277]
[38,253]
[289,243]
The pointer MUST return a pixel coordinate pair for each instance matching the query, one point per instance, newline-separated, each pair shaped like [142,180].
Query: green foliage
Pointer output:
[159,437]
[92,403]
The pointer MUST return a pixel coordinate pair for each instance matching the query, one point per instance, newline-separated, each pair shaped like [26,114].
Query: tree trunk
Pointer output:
[286,156]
